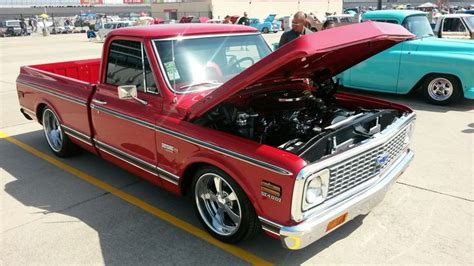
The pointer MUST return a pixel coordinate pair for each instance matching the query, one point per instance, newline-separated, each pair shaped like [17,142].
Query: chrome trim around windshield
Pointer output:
[160,63]
[241,157]
[185,37]
[297,214]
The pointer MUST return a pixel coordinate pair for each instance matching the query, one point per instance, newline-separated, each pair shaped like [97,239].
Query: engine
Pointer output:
[308,123]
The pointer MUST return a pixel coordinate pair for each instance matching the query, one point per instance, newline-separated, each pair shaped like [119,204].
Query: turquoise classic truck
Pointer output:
[442,68]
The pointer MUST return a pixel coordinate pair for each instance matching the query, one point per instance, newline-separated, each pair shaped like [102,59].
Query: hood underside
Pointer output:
[319,56]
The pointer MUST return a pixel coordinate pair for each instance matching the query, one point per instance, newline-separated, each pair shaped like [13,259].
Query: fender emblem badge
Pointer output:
[168,148]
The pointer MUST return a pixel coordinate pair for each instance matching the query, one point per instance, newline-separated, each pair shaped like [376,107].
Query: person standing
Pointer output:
[244,20]
[24,31]
[297,29]
[329,24]
[227,20]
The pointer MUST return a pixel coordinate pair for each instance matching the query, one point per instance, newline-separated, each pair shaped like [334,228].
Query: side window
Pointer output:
[387,21]
[453,25]
[125,64]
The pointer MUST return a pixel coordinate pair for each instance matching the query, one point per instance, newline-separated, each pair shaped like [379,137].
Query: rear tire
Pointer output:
[222,206]
[57,140]
[440,89]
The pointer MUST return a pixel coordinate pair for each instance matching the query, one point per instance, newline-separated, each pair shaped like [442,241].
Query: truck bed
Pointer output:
[67,87]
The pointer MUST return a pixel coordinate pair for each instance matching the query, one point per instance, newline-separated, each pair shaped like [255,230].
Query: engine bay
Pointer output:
[308,122]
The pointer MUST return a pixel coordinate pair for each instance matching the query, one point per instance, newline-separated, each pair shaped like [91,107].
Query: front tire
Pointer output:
[439,89]
[57,140]
[265,30]
[222,206]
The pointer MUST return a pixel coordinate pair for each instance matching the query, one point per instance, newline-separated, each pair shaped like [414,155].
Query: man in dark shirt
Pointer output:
[244,20]
[297,29]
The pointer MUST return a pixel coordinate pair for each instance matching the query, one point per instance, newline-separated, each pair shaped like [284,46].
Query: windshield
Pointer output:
[419,26]
[206,63]
[470,21]
[13,23]
[110,25]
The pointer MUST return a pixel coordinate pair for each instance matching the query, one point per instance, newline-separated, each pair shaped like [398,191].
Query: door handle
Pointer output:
[98,101]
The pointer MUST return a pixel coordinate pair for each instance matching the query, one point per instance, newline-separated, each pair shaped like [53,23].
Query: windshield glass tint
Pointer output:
[470,21]
[419,26]
[206,63]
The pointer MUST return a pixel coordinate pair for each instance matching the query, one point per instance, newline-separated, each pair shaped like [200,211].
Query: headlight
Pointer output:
[316,189]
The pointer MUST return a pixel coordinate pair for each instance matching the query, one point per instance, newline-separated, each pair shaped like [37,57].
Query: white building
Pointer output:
[175,9]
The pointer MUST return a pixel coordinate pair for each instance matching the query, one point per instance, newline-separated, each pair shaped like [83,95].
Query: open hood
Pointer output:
[321,54]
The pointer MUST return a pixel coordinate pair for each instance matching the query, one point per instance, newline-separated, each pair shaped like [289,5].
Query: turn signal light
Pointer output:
[334,223]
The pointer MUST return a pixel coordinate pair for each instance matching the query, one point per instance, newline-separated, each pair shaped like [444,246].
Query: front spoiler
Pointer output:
[314,227]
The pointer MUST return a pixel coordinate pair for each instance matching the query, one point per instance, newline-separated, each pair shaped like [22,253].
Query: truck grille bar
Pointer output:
[367,165]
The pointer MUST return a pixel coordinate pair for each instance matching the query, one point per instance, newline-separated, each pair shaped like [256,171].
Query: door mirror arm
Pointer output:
[126,92]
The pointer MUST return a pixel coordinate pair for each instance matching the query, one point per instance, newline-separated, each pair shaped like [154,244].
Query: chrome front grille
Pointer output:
[357,170]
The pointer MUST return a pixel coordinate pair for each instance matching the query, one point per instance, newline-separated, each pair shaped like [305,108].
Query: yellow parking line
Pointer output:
[234,250]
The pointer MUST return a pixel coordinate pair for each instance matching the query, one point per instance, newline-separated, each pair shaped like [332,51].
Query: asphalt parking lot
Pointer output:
[84,210]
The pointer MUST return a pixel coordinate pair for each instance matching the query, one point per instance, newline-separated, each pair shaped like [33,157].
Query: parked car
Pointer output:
[108,27]
[269,24]
[241,130]
[441,68]
[455,26]
[10,28]
[342,19]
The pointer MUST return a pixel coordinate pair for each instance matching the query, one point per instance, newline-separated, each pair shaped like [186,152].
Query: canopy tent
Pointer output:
[428,5]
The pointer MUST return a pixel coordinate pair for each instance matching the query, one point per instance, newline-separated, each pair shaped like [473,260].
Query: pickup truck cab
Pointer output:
[455,26]
[443,69]
[258,140]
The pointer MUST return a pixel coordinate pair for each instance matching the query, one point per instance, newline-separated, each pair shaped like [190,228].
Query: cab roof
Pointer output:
[183,29]
[398,15]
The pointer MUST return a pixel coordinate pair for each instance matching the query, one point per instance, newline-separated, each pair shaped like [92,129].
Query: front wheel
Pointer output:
[54,133]
[265,30]
[222,206]
[441,89]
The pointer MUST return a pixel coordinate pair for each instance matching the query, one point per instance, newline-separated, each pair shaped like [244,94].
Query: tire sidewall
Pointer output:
[249,218]
[457,89]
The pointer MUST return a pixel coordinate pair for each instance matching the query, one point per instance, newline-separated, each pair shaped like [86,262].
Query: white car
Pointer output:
[108,27]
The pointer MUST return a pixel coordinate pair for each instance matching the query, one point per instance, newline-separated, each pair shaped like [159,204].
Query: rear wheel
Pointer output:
[58,142]
[222,206]
[441,89]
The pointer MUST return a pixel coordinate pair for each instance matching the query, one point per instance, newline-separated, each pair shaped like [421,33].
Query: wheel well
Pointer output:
[188,176]
[39,112]
[418,85]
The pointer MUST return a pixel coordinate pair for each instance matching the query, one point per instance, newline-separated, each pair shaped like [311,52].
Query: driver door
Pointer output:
[124,129]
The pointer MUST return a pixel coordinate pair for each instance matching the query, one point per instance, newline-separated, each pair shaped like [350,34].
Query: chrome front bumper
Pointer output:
[315,226]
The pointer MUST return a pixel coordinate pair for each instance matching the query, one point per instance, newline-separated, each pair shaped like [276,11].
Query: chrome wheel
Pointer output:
[52,130]
[440,89]
[218,204]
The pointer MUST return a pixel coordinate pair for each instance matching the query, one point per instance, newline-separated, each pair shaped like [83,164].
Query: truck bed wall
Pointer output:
[84,70]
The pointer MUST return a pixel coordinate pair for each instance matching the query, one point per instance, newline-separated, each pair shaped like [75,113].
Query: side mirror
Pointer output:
[126,92]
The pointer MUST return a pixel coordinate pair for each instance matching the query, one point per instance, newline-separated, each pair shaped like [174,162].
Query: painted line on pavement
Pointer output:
[234,250]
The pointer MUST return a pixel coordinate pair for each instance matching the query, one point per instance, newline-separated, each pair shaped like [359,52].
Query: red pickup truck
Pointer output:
[259,140]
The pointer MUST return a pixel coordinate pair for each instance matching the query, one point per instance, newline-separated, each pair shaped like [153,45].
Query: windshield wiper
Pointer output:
[200,84]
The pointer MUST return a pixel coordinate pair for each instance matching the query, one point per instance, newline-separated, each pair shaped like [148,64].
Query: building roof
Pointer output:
[183,29]
[399,15]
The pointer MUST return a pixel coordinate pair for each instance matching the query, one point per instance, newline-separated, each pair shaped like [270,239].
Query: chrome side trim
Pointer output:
[198,142]
[29,112]
[297,213]
[139,163]
[77,135]
[54,93]
[270,226]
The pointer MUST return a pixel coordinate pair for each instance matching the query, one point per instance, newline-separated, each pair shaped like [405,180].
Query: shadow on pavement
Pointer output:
[128,234]
[415,101]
